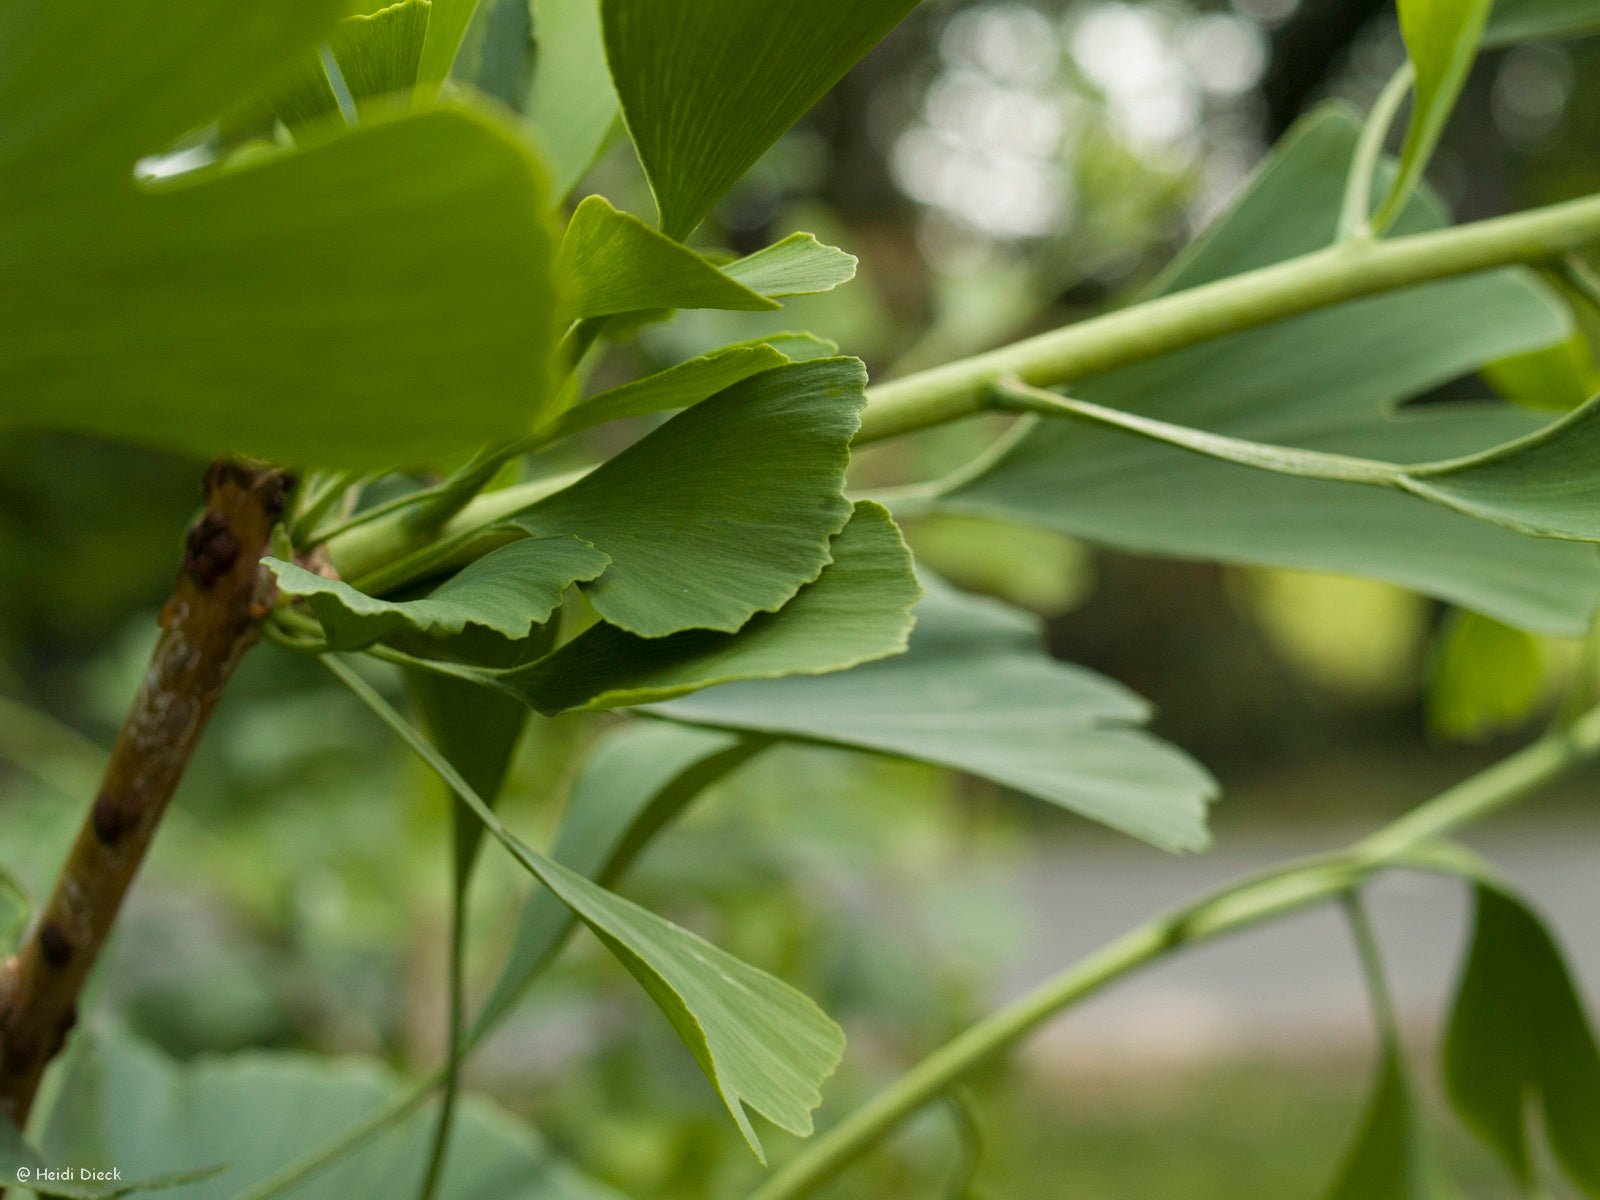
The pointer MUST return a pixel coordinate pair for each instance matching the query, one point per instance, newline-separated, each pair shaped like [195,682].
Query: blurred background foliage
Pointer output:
[1000,167]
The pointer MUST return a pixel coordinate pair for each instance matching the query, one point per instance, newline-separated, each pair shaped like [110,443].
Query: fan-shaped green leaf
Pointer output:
[858,610]
[723,512]
[447,27]
[707,87]
[799,265]
[508,591]
[1391,1158]
[614,263]
[316,304]
[1519,1046]
[681,386]
[1322,382]
[977,692]
[636,779]
[764,1046]
[125,1105]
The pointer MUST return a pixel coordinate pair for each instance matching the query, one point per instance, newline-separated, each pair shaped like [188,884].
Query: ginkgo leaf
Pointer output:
[1326,382]
[707,87]
[764,1046]
[799,265]
[680,386]
[1442,38]
[448,21]
[1391,1157]
[614,263]
[636,779]
[858,610]
[314,305]
[1519,1047]
[508,591]
[723,512]
[977,692]
[124,1104]
[1543,484]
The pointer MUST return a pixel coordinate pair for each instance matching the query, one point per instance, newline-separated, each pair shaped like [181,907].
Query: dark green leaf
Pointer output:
[707,87]
[1324,382]
[858,610]
[614,263]
[1391,1158]
[977,692]
[636,779]
[723,512]
[509,591]
[125,1105]
[1519,1047]
[1533,20]
[572,102]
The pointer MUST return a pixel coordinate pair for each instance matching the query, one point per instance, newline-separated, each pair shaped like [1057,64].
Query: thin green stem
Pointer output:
[1366,940]
[444,1126]
[1405,843]
[1355,217]
[1159,326]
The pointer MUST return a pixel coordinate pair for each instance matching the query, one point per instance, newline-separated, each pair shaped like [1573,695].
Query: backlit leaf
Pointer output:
[508,591]
[799,265]
[447,26]
[1326,381]
[1442,39]
[1519,1047]
[977,692]
[1487,677]
[615,263]
[723,512]
[572,102]
[707,87]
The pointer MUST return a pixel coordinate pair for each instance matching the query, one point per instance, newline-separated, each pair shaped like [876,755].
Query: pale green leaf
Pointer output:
[447,26]
[637,778]
[508,591]
[724,511]
[978,693]
[799,265]
[1519,1048]
[123,1104]
[1487,677]
[707,87]
[1534,20]
[1556,378]
[318,307]
[680,386]
[1442,38]
[572,102]
[1327,382]
[380,54]
[765,1047]
[613,262]
[858,610]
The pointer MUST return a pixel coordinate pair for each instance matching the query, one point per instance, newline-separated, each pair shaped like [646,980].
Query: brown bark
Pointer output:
[213,616]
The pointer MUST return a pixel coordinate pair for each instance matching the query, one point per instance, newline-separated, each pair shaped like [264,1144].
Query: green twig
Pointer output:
[1355,217]
[1406,843]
